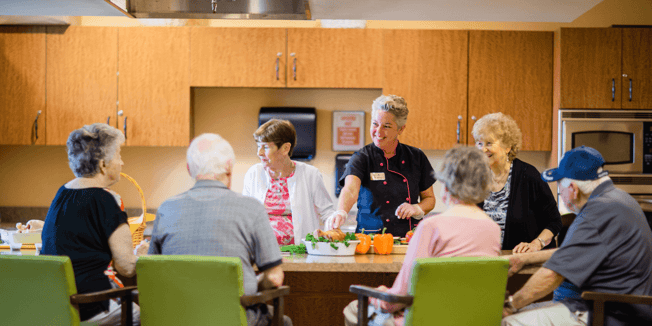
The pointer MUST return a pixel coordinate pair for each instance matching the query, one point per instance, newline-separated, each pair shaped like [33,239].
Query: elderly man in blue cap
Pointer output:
[610,250]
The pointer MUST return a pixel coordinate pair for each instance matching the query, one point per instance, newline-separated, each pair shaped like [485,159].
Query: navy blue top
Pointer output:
[610,250]
[386,184]
[78,225]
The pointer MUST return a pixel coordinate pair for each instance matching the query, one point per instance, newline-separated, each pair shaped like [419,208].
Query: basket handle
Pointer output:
[140,191]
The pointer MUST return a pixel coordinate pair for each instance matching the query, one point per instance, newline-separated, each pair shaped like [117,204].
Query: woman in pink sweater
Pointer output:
[462,230]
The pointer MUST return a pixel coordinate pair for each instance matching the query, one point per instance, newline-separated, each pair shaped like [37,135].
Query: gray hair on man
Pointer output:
[209,156]
[466,174]
[585,186]
[88,145]
[393,104]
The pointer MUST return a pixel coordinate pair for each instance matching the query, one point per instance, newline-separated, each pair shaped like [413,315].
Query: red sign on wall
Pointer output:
[348,130]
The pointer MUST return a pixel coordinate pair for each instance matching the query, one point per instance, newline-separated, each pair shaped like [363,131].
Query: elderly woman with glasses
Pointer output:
[86,221]
[293,193]
[520,202]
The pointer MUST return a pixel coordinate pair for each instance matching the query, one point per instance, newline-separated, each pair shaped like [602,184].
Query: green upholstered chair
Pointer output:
[198,290]
[448,291]
[41,290]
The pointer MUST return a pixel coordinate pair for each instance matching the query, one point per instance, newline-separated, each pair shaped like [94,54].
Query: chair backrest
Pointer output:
[190,290]
[36,290]
[457,291]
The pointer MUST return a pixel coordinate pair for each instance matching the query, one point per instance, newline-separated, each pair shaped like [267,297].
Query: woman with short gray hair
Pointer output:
[462,230]
[86,221]
[520,201]
[390,181]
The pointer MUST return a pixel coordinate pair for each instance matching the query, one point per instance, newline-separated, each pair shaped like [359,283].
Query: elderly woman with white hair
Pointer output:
[462,230]
[520,202]
[86,221]
[391,182]
[211,220]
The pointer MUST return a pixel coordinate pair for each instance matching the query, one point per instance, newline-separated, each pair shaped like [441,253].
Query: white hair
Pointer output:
[209,154]
[585,186]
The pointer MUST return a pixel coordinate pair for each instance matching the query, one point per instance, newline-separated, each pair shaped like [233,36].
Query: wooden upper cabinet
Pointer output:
[429,69]
[637,68]
[22,85]
[154,85]
[334,58]
[591,68]
[82,86]
[237,57]
[511,72]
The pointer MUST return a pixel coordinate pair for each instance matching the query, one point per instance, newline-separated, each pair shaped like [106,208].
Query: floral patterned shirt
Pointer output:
[277,204]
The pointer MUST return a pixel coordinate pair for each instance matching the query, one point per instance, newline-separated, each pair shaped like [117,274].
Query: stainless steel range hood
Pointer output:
[220,9]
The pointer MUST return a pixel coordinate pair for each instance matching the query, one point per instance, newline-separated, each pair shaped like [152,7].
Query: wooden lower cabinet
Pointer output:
[318,298]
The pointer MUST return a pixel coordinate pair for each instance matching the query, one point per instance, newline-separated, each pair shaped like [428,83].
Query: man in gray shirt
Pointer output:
[211,220]
[610,250]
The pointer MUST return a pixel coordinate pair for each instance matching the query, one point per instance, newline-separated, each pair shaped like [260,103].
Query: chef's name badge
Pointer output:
[378,176]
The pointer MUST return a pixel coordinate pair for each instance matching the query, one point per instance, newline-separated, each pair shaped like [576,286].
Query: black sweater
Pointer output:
[531,207]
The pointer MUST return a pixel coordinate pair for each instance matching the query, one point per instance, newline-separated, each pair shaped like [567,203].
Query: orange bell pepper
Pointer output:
[409,235]
[365,243]
[383,243]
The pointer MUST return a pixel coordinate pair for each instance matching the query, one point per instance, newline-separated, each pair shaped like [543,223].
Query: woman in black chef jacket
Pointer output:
[392,182]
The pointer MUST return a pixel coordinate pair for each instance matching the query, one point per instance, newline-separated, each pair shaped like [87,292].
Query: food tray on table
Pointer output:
[325,248]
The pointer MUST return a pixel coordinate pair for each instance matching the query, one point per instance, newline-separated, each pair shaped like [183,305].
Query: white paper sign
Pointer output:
[348,130]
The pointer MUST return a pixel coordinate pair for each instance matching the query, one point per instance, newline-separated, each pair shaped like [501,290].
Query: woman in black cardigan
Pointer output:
[520,201]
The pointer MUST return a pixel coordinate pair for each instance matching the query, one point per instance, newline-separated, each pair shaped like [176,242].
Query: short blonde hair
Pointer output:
[393,104]
[503,128]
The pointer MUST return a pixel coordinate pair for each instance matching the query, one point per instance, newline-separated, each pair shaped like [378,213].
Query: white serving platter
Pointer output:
[325,249]
[29,237]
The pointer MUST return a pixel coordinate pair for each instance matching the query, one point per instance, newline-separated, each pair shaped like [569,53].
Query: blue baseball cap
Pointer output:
[580,163]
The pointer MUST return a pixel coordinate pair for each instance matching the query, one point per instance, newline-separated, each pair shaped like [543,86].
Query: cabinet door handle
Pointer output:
[294,66]
[36,126]
[125,127]
[613,90]
[108,120]
[278,62]
[630,89]
[459,125]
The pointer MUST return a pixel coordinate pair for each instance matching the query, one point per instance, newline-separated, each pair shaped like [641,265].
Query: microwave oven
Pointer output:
[623,137]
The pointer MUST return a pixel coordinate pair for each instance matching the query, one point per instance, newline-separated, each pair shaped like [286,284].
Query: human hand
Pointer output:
[515,264]
[377,302]
[527,247]
[407,210]
[335,220]
[142,248]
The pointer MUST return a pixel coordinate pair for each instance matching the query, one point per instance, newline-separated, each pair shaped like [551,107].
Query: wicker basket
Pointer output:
[138,224]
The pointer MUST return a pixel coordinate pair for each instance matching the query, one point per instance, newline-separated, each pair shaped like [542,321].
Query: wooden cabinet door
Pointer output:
[22,85]
[637,68]
[154,85]
[237,57]
[590,68]
[429,69]
[334,58]
[82,86]
[511,72]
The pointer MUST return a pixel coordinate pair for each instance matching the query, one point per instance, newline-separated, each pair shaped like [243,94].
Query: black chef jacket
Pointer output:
[386,184]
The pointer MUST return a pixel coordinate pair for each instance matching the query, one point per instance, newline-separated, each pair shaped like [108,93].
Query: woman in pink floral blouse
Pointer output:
[293,193]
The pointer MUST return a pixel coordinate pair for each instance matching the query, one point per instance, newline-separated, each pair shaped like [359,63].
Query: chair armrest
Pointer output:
[264,296]
[388,297]
[101,295]
[613,297]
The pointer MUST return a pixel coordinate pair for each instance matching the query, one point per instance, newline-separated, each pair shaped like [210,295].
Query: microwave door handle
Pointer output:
[613,89]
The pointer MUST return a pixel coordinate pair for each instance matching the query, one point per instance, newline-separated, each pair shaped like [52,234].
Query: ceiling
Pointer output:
[557,11]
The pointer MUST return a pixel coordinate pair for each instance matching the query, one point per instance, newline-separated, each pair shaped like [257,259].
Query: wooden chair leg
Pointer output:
[277,319]
[127,311]
[598,313]
[363,306]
